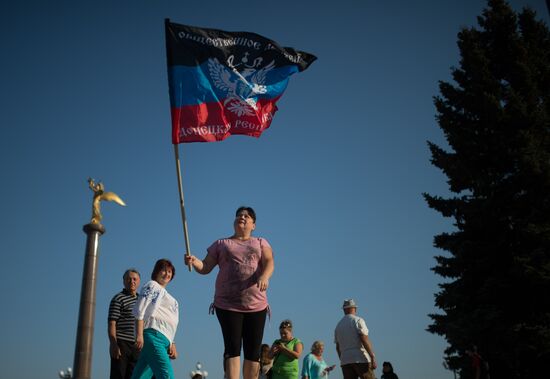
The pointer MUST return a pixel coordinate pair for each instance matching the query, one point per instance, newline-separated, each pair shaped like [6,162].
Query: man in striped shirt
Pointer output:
[122,349]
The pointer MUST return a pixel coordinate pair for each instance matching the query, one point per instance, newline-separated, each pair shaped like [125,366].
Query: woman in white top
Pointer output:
[157,316]
[265,362]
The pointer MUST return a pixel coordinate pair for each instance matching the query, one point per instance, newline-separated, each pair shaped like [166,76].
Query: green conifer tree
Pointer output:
[496,119]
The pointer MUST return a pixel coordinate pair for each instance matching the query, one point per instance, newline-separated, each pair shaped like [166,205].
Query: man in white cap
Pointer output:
[353,345]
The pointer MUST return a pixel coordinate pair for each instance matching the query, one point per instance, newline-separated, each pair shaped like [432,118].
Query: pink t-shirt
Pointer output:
[240,264]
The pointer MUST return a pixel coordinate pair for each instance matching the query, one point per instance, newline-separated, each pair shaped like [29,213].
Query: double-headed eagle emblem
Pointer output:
[241,87]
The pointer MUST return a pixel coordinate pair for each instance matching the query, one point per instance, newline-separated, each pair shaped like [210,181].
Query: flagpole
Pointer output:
[182,207]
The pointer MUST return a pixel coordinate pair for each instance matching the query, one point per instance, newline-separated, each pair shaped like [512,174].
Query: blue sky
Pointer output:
[336,181]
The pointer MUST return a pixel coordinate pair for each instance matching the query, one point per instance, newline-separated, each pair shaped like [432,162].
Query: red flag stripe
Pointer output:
[209,122]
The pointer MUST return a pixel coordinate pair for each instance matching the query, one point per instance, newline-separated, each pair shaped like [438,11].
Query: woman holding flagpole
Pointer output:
[240,301]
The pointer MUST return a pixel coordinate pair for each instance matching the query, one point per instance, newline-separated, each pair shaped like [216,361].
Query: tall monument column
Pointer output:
[86,315]
[82,367]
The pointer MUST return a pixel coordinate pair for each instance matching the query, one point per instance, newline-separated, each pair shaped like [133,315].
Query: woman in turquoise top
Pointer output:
[314,366]
[286,353]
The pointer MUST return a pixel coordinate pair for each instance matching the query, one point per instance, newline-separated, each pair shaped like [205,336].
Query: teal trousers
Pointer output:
[153,359]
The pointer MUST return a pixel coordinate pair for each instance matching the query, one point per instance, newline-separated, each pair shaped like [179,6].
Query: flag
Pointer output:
[223,83]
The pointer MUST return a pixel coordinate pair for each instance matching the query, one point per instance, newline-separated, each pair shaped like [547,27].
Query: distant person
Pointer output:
[120,321]
[285,352]
[265,362]
[313,365]
[157,317]
[353,345]
[387,371]
[479,366]
[240,301]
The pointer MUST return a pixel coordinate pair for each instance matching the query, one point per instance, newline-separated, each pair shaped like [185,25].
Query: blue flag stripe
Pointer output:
[194,85]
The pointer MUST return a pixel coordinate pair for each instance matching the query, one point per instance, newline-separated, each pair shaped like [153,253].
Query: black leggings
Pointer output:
[247,327]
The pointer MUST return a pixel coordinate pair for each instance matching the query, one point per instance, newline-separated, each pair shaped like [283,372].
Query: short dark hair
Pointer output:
[127,272]
[161,265]
[249,210]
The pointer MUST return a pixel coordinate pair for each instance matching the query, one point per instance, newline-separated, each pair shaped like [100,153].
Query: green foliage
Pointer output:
[496,119]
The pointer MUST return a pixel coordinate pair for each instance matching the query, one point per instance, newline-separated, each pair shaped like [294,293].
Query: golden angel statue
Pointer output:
[99,196]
